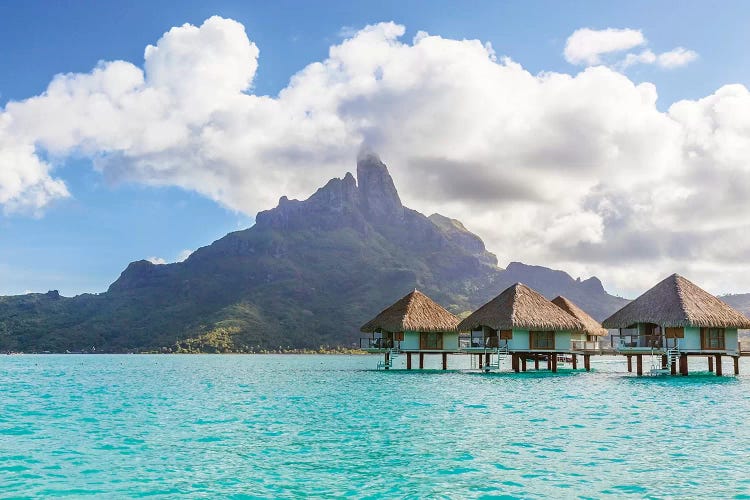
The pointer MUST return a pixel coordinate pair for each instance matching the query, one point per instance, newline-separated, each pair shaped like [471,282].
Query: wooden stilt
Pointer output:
[683,364]
[736,364]
[587,362]
[445,361]
[408,361]
[575,361]
[711,364]
[421,361]
[639,364]
[487,359]
[387,360]
[630,363]
[553,358]
[718,365]
[523,363]
[536,361]
[514,362]
[480,361]
[673,368]
[664,361]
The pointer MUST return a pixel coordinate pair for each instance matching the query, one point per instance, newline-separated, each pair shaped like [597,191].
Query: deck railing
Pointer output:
[467,343]
[375,343]
[586,345]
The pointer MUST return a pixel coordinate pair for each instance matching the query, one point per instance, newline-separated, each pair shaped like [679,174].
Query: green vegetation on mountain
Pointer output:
[306,275]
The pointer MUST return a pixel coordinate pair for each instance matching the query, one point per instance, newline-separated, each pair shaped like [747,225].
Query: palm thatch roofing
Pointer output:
[675,302]
[523,308]
[590,325]
[414,312]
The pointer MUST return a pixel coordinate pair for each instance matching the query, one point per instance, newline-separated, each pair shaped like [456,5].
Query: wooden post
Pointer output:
[480,361]
[408,361]
[421,361]
[514,362]
[486,359]
[683,364]
[663,361]
[630,363]
[710,364]
[639,364]
[523,363]
[718,365]
[736,365]
[553,358]
[575,361]
[445,361]
[673,368]
[587,362]
[387,359]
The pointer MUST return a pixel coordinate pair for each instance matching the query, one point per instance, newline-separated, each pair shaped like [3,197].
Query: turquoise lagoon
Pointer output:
[204,426]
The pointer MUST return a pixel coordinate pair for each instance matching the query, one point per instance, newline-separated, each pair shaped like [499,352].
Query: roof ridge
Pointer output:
[679,284]
[514,302]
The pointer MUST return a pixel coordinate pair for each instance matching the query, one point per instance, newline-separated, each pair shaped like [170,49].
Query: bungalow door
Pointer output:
[542,341]
[712,339]
[430,341]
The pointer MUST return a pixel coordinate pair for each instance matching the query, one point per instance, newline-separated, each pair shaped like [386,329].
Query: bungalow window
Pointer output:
[541,340]
[713,338]
[431,340]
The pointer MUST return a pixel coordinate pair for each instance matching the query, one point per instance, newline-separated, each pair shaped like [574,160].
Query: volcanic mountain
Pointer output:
[308,273]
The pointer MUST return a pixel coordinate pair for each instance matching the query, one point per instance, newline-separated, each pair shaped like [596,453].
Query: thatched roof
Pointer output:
[415,312]
[590,325]
[520,307]
[676,301]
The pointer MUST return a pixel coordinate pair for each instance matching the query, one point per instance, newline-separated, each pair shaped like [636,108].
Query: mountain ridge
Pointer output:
[308,273]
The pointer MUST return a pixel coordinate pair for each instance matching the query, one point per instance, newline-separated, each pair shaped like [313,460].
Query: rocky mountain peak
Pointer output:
[378,194]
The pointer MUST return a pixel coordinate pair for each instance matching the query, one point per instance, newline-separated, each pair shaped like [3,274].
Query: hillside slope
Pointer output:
[308,273]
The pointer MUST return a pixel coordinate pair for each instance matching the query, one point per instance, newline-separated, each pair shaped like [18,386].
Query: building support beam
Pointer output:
[553,360]
[639,364]
[480,361]
[664,361]
[710,364]
[421,361]
[408,361]
[587,362]
[630,363]
[736,364]
[514,362]
[673,368]
[683,365]
[523,363]
[718,365]
[445,361]
[536,361]
[387,360]
[575,361]
[487,359]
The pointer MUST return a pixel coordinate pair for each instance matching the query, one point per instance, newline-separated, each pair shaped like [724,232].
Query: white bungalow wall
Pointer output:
[411,341]
[520,341]
[692,340]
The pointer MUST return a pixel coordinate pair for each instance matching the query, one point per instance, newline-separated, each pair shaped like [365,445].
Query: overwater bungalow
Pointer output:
[413,324]
[673,320]
[523,324]
[588,338]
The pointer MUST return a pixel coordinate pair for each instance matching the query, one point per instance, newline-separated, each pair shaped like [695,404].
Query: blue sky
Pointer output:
[81,243]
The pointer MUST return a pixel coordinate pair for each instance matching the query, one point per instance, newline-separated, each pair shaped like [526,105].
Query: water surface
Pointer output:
[332,426]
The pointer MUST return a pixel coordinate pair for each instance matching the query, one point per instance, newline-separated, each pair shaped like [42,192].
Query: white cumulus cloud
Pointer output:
[676,57]
[580,172]
[586,45]
[590,47]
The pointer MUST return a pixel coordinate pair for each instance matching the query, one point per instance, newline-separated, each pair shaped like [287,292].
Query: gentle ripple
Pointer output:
[330,426]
